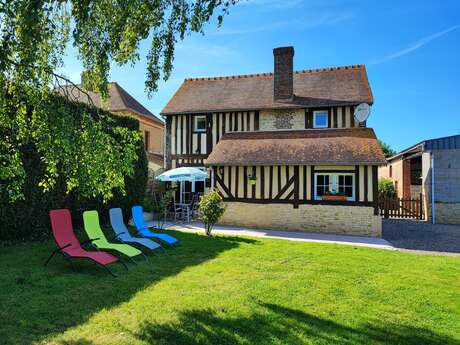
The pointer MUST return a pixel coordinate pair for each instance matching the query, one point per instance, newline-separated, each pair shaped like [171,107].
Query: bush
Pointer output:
[211,209]
[27,218]
[386,188]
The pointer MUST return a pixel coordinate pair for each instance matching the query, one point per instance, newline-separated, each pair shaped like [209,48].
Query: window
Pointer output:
[341,183]
[345,185]
[322,185]
[320,119]
[147,140]
[199,123]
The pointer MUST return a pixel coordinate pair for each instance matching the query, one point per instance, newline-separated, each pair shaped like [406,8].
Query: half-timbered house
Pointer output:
[283,148]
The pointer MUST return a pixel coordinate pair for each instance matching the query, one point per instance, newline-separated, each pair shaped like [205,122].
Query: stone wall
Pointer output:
[448,213]
[446,184]
[447,176]
[348,220]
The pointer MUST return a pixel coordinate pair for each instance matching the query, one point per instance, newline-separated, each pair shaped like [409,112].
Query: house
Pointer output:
[429,165]
[276,144]
[120,102]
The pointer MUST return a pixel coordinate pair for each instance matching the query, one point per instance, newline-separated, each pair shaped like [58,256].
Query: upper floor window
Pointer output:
[147,140]
[320,119]
[199,123]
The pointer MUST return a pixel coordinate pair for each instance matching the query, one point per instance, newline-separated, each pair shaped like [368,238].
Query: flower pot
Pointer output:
[334,198]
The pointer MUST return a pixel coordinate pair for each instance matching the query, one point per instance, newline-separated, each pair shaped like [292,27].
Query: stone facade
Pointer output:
[284,119]
[447,186]
[448,213]
[349,220]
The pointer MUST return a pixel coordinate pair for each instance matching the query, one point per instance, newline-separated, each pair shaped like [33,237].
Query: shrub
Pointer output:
[211,209]
[386,188]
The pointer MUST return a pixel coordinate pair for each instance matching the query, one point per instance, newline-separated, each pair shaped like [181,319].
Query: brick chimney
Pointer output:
[283,87]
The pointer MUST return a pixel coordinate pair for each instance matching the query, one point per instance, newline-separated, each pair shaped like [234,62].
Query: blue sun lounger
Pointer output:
[120,229]
[143,230]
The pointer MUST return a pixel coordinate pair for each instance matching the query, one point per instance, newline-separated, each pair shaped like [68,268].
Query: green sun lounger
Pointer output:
[94,232]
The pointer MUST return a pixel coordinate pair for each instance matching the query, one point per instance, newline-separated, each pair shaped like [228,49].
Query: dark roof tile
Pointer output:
[312,88]
[119,100]
[326,146]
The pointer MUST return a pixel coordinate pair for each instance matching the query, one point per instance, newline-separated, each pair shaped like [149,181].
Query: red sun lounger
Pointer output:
[69,246]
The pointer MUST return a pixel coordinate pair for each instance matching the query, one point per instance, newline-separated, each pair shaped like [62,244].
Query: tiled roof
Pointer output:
[119,100]
[312,88]
[349,146]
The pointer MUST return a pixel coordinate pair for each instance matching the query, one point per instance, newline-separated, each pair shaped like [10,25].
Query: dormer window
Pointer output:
[199,123]
[320,119]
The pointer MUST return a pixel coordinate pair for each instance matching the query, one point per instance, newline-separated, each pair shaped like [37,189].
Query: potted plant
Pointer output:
[252,180]
[333,195]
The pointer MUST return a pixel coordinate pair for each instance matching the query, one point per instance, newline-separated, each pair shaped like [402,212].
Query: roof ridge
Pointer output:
[125,94]
[314,70]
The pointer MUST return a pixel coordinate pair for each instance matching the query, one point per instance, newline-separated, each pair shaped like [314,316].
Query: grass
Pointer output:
[228,290]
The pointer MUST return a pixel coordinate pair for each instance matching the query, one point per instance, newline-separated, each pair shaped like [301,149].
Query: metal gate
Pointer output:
[401,208]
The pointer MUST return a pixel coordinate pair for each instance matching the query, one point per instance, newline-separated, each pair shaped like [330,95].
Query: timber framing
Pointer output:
[290,184]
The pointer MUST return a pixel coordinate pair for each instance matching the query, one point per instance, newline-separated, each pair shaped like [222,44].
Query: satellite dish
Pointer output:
[362,112]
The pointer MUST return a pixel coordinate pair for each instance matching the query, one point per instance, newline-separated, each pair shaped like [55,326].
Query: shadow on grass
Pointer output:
[274,324]
[38,302]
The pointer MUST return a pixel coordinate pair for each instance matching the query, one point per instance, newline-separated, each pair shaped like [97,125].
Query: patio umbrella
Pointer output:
[181,175]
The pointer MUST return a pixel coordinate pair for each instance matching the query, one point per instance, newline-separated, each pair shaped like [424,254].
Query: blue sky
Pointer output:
[411,50]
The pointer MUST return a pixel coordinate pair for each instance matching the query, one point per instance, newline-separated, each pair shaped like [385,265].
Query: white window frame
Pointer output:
[195,123]
[334,183]
[317,112]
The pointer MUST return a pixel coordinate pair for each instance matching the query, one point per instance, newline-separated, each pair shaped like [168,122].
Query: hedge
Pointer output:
[28,219]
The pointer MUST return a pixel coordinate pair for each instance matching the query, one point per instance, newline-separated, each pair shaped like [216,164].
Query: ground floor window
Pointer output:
[335,183]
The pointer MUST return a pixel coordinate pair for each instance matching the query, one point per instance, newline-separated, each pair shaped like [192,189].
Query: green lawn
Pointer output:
[228,290]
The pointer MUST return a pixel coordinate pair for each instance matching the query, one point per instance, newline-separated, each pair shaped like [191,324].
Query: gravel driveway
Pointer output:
[420,235]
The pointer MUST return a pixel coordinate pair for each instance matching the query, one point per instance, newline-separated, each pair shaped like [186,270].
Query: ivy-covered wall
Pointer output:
[27,218]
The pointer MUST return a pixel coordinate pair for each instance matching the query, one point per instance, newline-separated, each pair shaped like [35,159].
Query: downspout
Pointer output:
[433,209]
[164,142]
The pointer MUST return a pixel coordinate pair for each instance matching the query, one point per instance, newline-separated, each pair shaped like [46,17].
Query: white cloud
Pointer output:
[419,44]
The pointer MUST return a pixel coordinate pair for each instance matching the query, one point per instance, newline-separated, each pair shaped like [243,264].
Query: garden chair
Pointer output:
[120,229]
[143,230]
[99,241]
[69,246]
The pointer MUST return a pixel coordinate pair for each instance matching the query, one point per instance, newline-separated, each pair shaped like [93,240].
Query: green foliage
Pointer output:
[387,150]
[211,209]
[74,152]
[386,188]
[34,35]
[55,153]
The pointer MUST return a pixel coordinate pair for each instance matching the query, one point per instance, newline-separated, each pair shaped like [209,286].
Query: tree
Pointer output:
[387,150]
[211,209]
[34,35]
[33,39]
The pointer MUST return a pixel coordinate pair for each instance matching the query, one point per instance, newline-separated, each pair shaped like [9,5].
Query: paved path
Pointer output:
[285,235]
[422,236]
